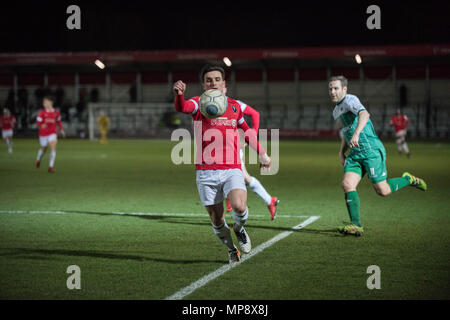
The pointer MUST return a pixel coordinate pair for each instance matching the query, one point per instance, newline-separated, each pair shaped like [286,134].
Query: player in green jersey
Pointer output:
[366,155]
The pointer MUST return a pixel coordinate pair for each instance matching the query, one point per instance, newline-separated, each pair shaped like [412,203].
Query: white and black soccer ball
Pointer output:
[213,103]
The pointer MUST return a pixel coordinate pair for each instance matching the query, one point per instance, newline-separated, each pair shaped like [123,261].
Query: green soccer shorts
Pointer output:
[374,166]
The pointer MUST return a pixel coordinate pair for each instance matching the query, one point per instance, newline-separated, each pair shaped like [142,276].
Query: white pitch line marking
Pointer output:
[215,274]
[167,214]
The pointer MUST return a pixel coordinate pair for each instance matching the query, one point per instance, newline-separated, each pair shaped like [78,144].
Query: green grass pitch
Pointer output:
[125,256]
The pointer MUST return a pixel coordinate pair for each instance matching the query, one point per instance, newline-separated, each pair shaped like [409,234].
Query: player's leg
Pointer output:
[383,187]
[399,141]
[234,188]
[7,136]
[8,139]
[9,143]
[51,163]
[353,172]
[405,145]
[256,186]
[211,196]
[350,181]
[222,231]
[103,135]
[43,141]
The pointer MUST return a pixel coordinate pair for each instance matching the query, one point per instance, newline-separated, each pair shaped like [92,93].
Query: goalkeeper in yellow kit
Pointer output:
[103,122]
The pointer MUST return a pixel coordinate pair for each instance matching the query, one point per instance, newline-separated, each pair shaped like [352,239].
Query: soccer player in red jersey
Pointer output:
[252,182]
[47,120]
[400,122]
[7,121]
[217,178]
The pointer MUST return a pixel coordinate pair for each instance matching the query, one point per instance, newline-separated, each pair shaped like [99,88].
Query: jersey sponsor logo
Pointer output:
[223,122]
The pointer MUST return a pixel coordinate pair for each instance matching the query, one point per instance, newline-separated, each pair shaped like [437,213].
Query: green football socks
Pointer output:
[352,200]
[398,183]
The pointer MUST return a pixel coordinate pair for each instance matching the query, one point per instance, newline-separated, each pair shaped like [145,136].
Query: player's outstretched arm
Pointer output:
[181,105]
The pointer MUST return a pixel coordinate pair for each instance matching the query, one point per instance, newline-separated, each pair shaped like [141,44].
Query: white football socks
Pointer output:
[258,188]
[399,143]
[240,219]
[223,233]
[9,143]
[39,155]
[405,147]
[52,158]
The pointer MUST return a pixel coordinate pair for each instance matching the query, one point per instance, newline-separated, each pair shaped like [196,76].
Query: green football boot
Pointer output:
[351,229]
[415,182]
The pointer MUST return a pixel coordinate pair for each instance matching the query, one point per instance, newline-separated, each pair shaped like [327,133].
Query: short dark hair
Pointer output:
[49,97]
[209,68]
[342,79]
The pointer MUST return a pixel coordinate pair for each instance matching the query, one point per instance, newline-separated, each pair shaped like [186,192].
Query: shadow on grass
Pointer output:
[44,253]
[179,220]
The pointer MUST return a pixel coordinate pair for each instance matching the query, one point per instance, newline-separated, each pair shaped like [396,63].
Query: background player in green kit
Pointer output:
[367,154]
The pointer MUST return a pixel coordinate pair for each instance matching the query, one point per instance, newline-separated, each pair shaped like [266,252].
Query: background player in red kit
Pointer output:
[214,180]
[47,120]
[7,121]
[400,122]
[254,184]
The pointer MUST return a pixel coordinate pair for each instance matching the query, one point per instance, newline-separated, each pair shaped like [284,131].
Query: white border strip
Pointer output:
[215,274]
[168,214]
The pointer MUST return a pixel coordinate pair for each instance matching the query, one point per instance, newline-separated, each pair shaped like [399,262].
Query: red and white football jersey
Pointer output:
[400,122]
[212,133]
[50,119]
[7,122]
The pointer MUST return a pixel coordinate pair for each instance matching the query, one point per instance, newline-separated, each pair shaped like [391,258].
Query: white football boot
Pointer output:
[244,240]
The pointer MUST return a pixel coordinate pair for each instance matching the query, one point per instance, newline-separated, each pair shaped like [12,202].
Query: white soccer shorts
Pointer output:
[213,185]
[400,134]
[7,133]
[45,140]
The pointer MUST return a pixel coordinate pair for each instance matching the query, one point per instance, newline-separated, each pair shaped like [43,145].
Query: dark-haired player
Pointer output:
[219,178]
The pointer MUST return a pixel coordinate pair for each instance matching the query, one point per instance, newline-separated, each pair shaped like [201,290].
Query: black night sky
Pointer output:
[151,25]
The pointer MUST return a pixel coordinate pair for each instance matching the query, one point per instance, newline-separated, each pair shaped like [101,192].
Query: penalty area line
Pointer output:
[222,270]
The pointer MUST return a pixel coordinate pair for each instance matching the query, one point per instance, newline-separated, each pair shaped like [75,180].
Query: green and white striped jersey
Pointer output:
[347,111]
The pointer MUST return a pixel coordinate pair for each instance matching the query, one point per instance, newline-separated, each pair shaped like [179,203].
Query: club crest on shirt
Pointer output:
[234,109]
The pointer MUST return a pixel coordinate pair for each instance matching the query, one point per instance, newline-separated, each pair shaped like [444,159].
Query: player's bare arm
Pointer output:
[363,117]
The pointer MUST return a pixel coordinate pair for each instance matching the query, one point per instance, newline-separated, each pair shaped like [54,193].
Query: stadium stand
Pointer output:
[292,98]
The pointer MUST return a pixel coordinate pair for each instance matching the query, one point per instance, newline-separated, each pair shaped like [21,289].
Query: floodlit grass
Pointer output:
[153,256]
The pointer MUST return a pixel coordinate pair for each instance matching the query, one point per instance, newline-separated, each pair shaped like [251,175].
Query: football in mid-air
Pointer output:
[213,103]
